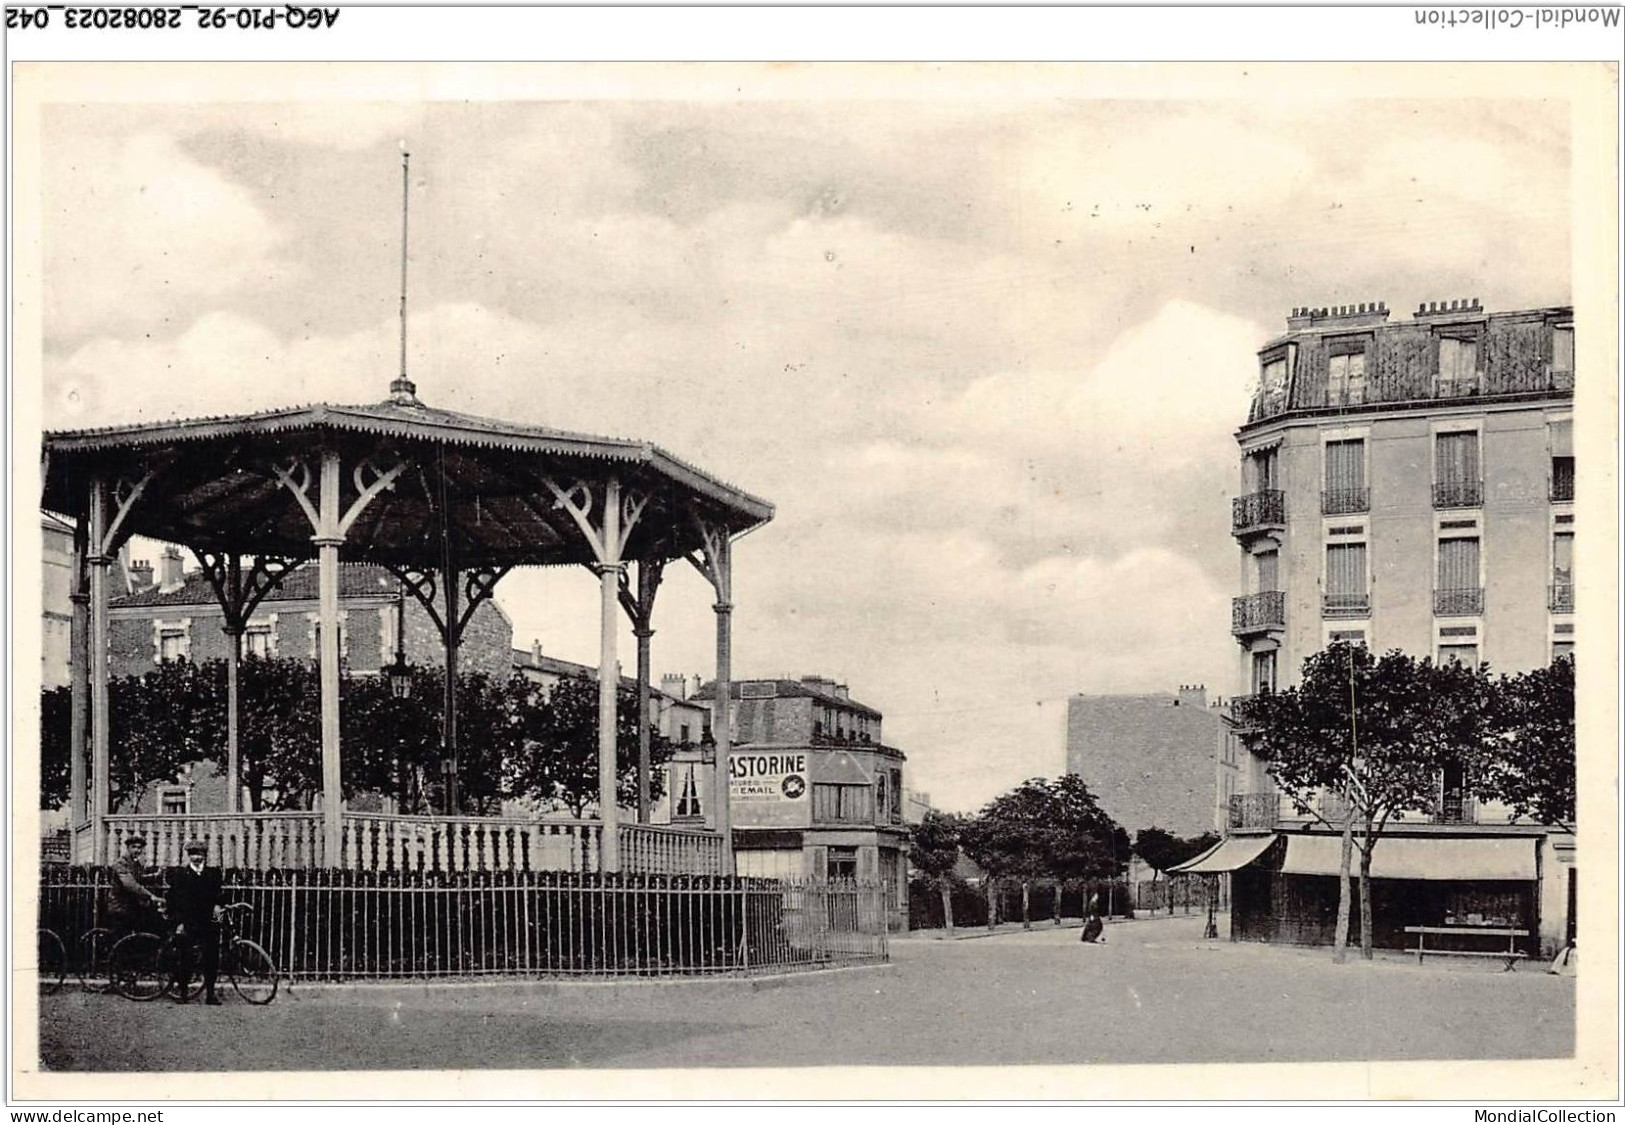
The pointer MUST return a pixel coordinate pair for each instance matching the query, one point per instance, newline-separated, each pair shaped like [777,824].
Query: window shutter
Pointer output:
[868,864]
[1563,438]
[820,861]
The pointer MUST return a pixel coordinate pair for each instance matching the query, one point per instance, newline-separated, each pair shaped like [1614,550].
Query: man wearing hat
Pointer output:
[194,907]
[131,904]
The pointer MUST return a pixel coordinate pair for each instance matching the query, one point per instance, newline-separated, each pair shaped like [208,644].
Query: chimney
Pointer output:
[536,653]
[674,684]
[170,570]
[699,682]
[140,576]
[1192,695]
[841,690]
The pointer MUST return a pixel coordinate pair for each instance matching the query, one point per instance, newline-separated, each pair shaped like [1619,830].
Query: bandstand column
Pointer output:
[79,680]
[609,681]
[327,545]
[234,656]
[722,732]
[643,635]
[96,661]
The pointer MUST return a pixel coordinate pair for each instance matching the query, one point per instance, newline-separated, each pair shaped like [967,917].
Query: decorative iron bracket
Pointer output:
[295,475]
[640,606]
[714,558]
[619,515]
[479,585]
[240,595]
[124,493]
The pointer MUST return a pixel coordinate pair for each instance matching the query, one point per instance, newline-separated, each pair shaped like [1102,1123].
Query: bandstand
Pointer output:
[447,502]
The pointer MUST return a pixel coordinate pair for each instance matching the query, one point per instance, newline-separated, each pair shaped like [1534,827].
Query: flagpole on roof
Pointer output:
[402,390]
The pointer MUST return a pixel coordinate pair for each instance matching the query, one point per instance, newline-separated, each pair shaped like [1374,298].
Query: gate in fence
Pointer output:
[355,925]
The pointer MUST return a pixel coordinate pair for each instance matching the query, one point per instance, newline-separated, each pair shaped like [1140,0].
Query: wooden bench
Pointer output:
[1510,955]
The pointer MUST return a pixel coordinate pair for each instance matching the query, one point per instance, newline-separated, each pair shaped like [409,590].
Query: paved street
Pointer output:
[1154,993]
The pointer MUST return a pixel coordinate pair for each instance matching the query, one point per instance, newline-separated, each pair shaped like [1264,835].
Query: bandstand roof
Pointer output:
[214,486]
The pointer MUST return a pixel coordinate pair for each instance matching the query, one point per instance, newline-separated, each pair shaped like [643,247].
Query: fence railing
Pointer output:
[661,850]
[1344,501]
[1458,493]
[1560,597]
[252,840]
[354,925]
[1463,602]
[388,842]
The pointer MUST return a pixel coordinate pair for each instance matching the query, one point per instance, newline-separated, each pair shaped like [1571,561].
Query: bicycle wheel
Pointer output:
[137,967]
[53,961]
[253,973]
[94,948]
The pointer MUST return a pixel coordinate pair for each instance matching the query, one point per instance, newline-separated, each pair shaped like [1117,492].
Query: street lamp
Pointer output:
[400,673]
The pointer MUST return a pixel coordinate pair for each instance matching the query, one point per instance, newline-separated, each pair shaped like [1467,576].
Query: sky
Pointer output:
[986,355]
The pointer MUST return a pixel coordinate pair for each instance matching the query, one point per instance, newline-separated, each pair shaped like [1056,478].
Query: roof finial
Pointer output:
[402,391]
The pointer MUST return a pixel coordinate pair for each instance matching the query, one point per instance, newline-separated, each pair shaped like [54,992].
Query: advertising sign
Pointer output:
[768,788]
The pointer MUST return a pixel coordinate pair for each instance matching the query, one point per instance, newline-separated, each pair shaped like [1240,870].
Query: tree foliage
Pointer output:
[559,765]
[1530,766]
[510,740]
[933,849]
[1046,829]
[1377,732]
[1161,849]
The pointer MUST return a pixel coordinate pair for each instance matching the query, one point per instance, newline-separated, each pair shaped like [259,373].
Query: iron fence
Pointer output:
[354,925]
[1264,508]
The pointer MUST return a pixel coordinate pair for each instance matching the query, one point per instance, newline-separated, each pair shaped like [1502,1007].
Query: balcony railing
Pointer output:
[1560,598]
[1257,510]
[1344,501]
[1458,603]
[1256,613]
[1345,605]
[1458,493]
[1456,810]
[1254,810]
[1562,487]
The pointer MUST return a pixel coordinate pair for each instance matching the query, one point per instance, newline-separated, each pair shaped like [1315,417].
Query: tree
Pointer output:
[1161,849]
[1531,767]
[279,732]
[933,849]
[1045,828]
[56,753]
[560,763]
[1376,732]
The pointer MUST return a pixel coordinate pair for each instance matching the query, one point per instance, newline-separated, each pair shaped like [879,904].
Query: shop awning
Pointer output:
[1226,855]
[1419,857]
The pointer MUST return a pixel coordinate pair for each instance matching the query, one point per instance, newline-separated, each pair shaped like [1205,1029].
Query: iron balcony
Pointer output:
[1258,613]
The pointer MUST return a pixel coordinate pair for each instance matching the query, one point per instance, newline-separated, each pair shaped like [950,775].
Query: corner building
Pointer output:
[1410,485]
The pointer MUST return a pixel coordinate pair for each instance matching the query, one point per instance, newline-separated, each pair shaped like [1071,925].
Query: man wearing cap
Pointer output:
[194,907]
[131,904]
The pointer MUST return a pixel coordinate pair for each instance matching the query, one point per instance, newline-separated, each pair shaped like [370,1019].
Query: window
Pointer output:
[1459,654]
[174,800]
[171,640]
[1263,672]
[1457,481]
[1562,439]
[896,796]
[1457,591]
[1563,350]
[688,800]
[1261,470]
[259,639]
[684,734]
[1562,591]
[841,804]
[1274,379]
[1346,594]
[1345,478]
[1266,571]
[842,863]
[882,799]
[1458,367]
[1454,807]
[1562,650]
[1345,379]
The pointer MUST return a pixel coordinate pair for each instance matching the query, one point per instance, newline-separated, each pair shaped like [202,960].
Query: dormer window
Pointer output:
[1458,366]
[1345,372]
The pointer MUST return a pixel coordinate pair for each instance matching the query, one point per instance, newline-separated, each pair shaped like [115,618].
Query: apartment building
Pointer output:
[813,791]
[1410,484]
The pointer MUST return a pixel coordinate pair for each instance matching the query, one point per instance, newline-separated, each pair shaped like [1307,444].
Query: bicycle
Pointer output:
[53,960]
[143,966]
[93,949]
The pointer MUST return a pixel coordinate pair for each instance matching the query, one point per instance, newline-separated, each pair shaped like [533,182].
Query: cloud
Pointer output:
[145,232]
